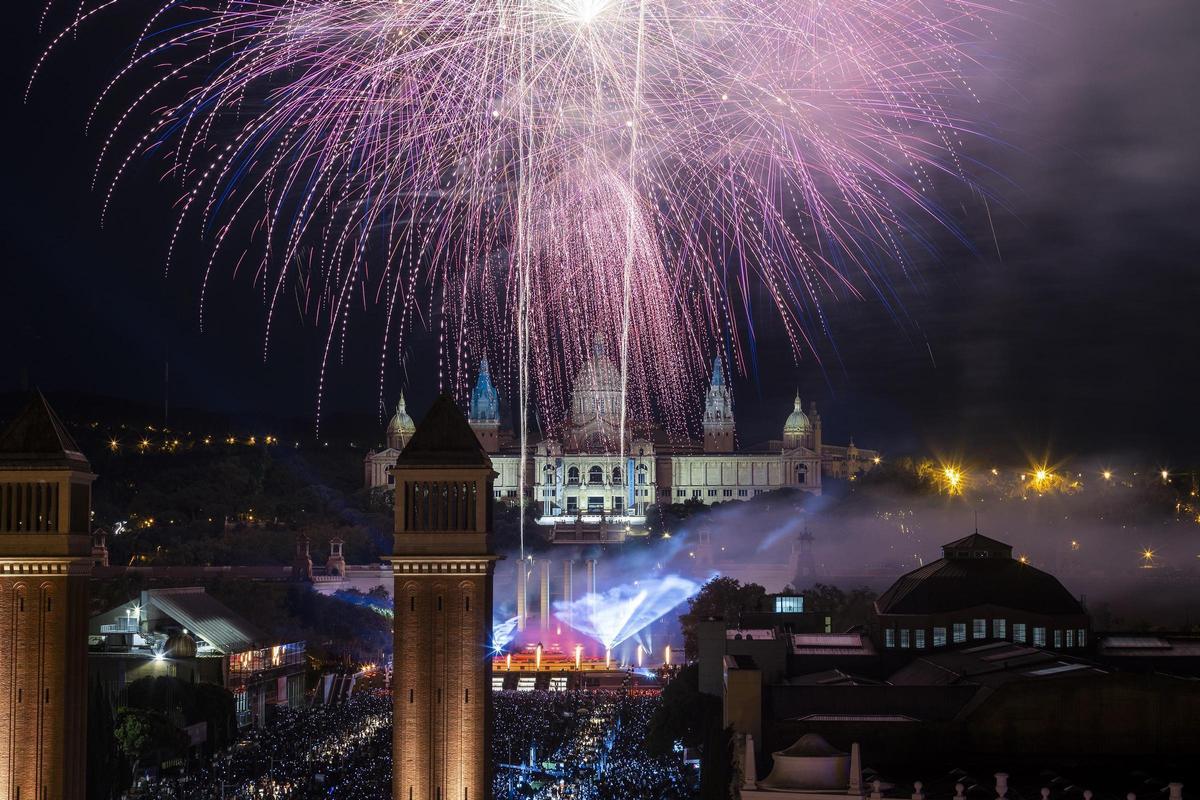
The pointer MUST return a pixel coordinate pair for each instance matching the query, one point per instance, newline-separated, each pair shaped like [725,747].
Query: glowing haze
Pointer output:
[535,171]
[615,615]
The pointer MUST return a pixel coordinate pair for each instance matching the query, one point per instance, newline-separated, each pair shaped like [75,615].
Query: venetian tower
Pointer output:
[718,413]
[45,558]
[442,565]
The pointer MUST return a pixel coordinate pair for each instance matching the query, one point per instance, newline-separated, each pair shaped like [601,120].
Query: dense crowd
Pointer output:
[582,745]
[579,745]
[342,751]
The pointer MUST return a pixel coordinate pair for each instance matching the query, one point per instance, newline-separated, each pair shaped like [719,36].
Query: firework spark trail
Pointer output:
[555,169]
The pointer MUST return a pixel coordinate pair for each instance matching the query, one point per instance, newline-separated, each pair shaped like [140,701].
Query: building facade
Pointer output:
[186,633]
[442,565]
[588,474]
[45,558]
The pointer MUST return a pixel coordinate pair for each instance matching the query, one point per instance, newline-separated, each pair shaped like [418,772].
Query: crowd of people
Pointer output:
[567,745]
[583,745]
[338,751]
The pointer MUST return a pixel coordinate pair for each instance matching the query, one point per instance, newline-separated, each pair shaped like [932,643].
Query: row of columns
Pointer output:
[568,590]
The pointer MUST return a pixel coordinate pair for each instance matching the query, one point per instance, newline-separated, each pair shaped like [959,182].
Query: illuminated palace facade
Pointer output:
[581,476]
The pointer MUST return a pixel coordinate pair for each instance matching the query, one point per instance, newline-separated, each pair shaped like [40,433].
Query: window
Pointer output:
[960,632]
[642,473]
[889,638]
[1082,639]
[742,493]
[49,604]
[573,475]
[616,476]
[695,492]
[391,479]
[572,505]
[920,638]
[939,637]
[596,475]
[439,602]
[681,492]
[1019,632]
[727,492]
[1039,637]
[712,492]
[466,602]
[802,474]
[904,637]
[999,629]
[979,629]
[1070,637]
[511,493]
[618,504]
[789,604]
[466,695]
[1057,638]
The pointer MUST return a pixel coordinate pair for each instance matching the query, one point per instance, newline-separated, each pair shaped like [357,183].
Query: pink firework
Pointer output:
[537,171]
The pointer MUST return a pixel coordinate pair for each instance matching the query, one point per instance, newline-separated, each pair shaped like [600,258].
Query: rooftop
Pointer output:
[37,438]
[977,571]
[444,438]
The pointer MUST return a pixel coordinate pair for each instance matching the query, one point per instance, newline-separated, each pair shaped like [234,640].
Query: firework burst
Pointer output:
[532,172]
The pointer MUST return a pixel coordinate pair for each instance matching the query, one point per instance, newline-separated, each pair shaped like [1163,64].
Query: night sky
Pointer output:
[1075,331]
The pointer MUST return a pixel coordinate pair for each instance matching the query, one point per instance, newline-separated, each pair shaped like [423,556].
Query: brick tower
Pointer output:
[45,558]
[442,565]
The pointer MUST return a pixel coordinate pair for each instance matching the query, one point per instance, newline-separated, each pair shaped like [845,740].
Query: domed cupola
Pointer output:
[401,428]
[596,395]
[797,428]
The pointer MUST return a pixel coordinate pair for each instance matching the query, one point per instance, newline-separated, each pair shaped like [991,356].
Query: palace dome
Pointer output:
[402,424]
[599,373]
[797,421]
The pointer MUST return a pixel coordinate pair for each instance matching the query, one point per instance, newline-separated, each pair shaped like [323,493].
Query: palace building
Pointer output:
[587,475]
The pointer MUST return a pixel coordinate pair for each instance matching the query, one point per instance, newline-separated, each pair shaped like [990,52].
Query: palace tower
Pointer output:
[443,598]
[45,557]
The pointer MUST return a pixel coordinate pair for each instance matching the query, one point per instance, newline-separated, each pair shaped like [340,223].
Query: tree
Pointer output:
[141,734]
[847,609]
[687,715]
[720,598]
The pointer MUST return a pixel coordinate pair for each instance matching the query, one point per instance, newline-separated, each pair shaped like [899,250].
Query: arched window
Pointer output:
[802,473]
[596,475]
[642,474]
[616,476]
[573,475]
